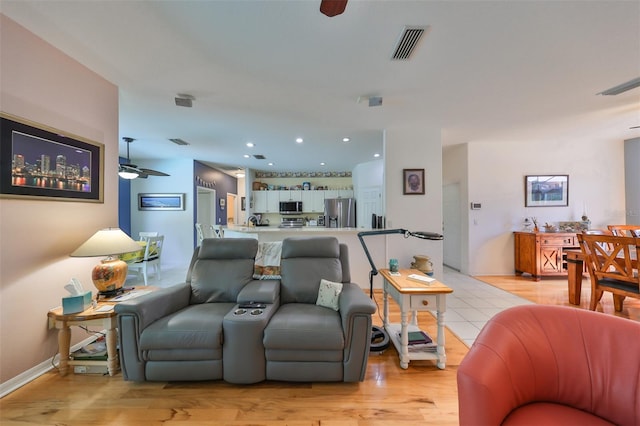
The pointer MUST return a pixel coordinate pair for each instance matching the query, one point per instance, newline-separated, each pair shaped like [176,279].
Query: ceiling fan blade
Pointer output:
[333,8]
[129,167]
[150,172]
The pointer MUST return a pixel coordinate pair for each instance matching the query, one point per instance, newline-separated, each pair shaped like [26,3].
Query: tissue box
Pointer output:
[75,304]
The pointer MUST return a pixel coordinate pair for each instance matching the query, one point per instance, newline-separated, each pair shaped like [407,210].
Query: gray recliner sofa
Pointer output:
[204,329]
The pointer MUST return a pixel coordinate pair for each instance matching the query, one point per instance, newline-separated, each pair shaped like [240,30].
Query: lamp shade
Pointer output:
[106,242]
[110,274]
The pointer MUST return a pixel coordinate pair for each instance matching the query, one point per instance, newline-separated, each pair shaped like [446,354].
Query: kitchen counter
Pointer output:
[358,262]
[302,229]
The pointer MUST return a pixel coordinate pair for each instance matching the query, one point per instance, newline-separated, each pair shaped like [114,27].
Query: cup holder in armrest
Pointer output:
[240,311]
[256,312]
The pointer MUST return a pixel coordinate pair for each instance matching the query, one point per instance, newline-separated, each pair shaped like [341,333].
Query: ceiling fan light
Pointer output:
[127,174]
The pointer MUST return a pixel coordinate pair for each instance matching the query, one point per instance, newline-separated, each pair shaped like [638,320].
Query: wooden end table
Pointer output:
[107,320]
[413,296]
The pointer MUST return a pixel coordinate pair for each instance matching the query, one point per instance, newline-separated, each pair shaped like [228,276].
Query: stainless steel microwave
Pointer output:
[290,207]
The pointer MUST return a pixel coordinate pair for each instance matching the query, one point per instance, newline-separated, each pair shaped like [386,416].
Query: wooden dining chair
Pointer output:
[612,263]
[625,230]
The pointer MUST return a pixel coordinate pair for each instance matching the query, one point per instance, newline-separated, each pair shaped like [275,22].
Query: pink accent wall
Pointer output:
[40,83]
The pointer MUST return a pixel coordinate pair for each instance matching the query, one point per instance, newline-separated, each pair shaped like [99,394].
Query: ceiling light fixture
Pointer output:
[621,88]
[376,155]
[250,144]
[346,139]
[323,164]
[246,156]
[299,140]
[270,164]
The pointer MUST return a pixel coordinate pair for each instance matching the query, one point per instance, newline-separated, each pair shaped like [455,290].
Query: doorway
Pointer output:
[452,226]
[206,209]
[232,216]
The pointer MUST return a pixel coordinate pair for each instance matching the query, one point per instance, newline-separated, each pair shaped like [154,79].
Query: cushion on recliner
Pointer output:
[298,326]
[221,267]
[192,333]
[305,261]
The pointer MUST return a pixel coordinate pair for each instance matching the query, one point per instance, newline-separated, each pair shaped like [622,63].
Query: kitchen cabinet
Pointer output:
[542,254]
[290,195]
[313,201]
[266,201]
[338,193]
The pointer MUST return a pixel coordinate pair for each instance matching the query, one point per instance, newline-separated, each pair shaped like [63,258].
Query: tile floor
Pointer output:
[473,303]
[469,307]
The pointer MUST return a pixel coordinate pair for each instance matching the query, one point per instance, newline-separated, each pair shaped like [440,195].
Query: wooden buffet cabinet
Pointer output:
[542,254]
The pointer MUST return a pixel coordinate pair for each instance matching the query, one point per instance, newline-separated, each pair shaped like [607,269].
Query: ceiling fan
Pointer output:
[333,8]
[131,171]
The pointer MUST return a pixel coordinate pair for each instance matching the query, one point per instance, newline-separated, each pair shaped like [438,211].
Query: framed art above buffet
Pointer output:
[546,190]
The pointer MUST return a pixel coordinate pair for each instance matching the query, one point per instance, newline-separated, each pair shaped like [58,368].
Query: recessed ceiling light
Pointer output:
[271,164]
[323,163]
[346,139]
[246,156]
[376,155]
[299,140]
[250,144]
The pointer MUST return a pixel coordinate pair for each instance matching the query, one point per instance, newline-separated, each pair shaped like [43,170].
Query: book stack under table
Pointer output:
[420,341]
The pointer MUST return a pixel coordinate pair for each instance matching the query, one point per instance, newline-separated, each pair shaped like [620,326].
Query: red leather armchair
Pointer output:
[552,365]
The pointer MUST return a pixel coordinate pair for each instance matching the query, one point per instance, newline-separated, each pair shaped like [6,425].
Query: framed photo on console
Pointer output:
[546,191]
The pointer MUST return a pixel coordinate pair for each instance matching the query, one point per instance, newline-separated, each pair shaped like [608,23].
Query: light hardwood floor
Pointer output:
[422,394]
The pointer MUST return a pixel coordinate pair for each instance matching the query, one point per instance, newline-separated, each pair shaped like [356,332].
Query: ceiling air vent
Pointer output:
[179,141]
[259,157]
[407,43]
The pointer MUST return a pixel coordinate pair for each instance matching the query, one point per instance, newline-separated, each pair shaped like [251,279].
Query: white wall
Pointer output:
[632,180]
[176,226]
[496,179]
[417,147]
[40,83]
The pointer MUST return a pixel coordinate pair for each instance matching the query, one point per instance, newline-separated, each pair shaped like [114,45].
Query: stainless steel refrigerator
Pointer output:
[340,213]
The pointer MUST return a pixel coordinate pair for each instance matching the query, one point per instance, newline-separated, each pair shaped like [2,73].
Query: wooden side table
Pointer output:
[63,323]
[413,296]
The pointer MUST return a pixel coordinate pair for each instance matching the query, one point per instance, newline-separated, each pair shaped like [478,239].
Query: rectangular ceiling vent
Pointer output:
[407,43]
[179,141]
[259,157]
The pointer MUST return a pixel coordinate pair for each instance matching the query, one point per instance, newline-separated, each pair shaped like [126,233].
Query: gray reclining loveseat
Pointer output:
[206,329]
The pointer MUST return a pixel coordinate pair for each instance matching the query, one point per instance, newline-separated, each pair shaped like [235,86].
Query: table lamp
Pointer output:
[111,273]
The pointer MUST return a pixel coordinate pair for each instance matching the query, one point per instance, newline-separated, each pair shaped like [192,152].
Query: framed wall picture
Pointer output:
[546,190]
[160,201]
[41,162]
[413,181]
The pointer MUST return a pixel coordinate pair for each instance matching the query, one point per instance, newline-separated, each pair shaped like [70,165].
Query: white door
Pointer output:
[369,203]
[452,225]
[206,212]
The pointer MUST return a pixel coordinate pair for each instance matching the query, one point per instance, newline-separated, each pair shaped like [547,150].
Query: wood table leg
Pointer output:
[574,280]
[112,352]
[404,339]
[442,357]
[64,346]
